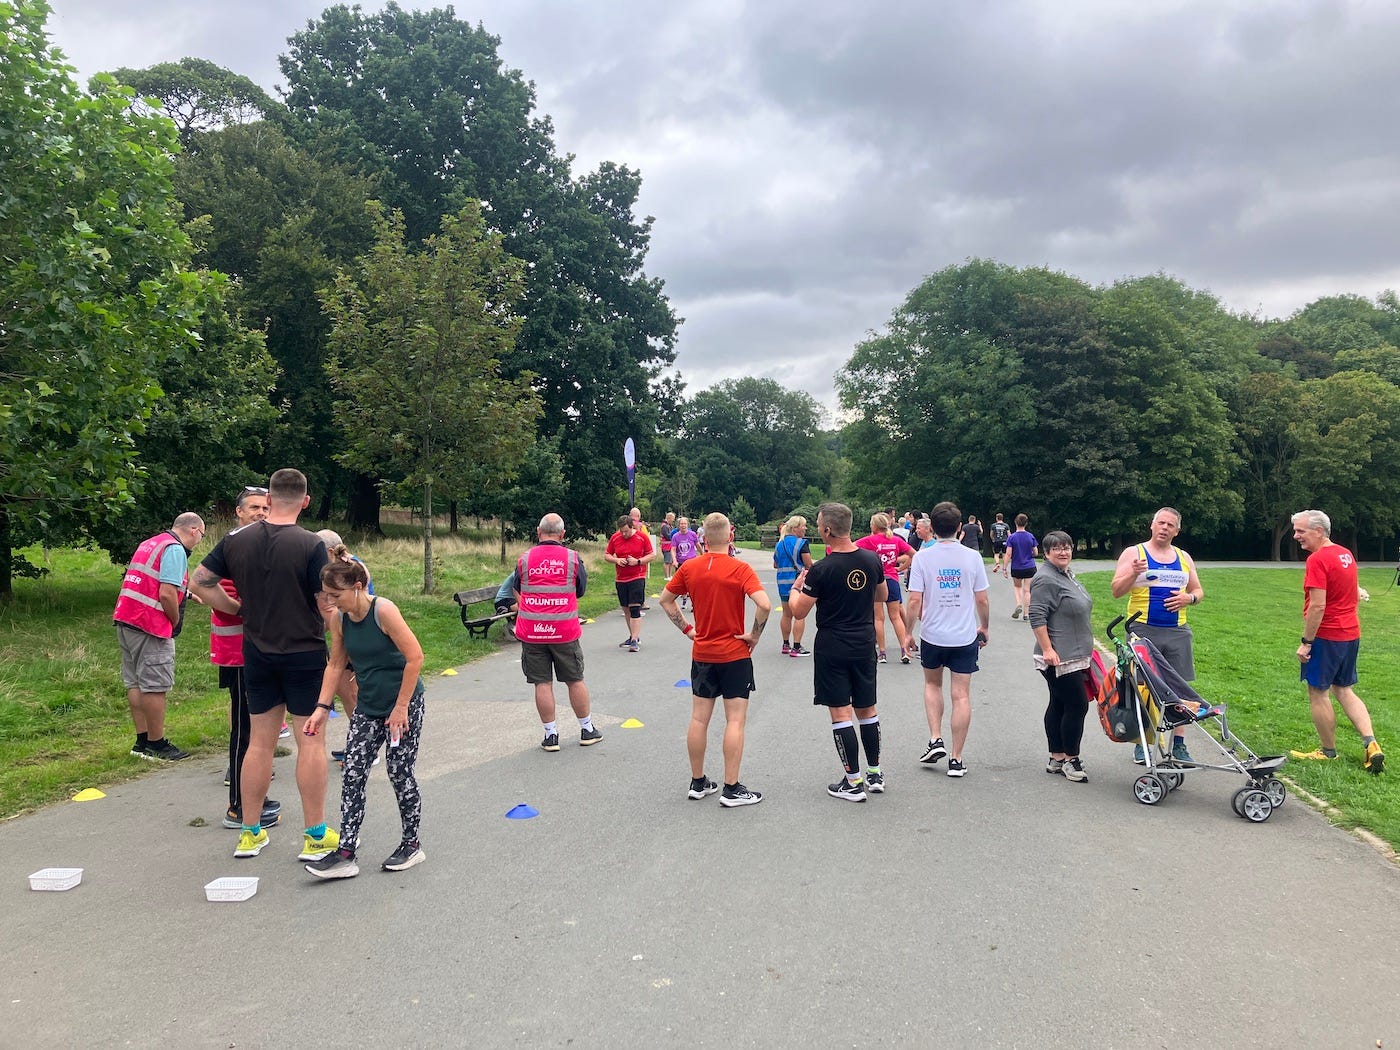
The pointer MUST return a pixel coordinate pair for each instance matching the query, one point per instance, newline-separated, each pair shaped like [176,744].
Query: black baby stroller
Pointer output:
[1151,701]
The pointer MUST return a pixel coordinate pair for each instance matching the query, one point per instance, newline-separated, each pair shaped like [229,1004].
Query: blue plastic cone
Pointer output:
[524,811]
[683,683]
[334,713]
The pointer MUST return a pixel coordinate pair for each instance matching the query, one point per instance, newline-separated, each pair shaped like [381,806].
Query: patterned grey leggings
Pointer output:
[367,736]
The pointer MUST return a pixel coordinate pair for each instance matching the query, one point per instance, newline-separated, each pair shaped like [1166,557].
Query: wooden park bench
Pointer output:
[477,620]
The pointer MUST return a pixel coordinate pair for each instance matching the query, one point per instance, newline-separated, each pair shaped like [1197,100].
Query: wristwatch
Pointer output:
[1307,641]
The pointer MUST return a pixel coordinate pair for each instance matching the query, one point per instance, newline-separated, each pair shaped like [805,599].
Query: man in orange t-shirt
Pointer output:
[721,658]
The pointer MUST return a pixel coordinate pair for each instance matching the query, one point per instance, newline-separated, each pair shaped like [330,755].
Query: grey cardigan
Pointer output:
[1060,603]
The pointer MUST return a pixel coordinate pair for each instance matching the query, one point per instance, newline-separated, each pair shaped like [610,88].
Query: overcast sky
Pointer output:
[808,163]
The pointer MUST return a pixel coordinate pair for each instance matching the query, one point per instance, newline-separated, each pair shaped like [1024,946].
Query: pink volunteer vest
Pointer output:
[226,633]
[548,610]
[138,604]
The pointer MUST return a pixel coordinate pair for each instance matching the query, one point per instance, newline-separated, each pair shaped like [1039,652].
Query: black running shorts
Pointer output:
[727,681]
[633,592]
[274,679]
[838,681]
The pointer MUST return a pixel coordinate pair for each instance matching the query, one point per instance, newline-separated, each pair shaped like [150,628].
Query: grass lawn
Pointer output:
[1246,634]
[64,722]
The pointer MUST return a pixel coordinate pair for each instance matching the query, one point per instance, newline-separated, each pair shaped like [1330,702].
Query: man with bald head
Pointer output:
[148,616]
[550,579]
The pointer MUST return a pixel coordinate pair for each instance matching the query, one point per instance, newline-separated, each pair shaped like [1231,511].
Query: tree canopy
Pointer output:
[1087,408]
[416,342]
[97,303]
[421,101]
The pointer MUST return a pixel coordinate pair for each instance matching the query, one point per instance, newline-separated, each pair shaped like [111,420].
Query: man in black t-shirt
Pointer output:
[844,588]
[970,535]
[1000,530]
[276,566]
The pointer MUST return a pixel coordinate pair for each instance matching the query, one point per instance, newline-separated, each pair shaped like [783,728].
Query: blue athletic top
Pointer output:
[787,558]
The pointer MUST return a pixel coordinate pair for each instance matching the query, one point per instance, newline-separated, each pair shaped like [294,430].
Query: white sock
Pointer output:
[586,722]
[551,727]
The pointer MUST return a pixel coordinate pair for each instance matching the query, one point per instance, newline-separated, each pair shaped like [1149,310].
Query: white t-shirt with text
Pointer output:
[949,576]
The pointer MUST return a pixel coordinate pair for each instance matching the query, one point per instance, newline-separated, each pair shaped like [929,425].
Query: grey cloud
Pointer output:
[808,163]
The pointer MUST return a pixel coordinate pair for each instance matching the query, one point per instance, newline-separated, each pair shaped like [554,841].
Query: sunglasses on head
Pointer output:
[255,490]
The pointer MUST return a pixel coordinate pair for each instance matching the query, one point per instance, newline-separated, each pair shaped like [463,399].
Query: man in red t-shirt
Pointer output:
[630,550]
[721,660]
[1331,638]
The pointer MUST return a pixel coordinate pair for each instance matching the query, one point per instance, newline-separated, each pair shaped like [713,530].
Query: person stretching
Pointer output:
[388,659]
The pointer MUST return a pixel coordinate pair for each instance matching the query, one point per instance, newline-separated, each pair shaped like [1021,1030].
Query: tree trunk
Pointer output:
[327,503]
[452,517]
[1277,552]
[7,558]
[363,511]
[428,538]
[503,541]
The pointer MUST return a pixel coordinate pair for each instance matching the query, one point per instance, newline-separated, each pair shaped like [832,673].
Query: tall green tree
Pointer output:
[199,96]
[416,342]
[762,442]
[422,100]
[210,424]
[1027,390]
[281,218]
[1269,424]
[95,297]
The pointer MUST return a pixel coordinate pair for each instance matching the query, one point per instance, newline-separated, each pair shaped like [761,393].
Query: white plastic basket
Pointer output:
[56,879]
[231,889]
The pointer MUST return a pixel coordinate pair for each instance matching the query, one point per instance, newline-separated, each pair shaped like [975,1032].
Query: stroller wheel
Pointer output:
[1254,805]
[1149,789]
[1273,787]
[1237,798]
[1173,779]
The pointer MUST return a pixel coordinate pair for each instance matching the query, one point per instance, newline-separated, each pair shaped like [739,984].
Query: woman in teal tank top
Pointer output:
[371,633]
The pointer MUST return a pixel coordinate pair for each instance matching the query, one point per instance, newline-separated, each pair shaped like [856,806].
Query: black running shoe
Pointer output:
[337,864]
[936,751]
[271,814]
[406,856]
[589,736]
[550,742]
[843,788]
[165,751]
[700,787]
[956,768]
[874,782]
[738,795]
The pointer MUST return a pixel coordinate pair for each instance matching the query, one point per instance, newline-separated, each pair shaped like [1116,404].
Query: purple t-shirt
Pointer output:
[1021,546]
[686,545]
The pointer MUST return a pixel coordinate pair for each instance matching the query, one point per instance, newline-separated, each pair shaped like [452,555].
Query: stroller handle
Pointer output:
[1119,619]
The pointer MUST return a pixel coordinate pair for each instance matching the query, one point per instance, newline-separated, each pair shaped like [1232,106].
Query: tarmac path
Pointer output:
[1006,909]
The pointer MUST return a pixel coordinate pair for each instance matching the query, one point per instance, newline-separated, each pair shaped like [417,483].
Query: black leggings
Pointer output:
[367,736]
[239,727]
[1064,715]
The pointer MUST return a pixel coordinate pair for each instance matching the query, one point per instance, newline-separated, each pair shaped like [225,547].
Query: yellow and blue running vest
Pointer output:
[1152,588]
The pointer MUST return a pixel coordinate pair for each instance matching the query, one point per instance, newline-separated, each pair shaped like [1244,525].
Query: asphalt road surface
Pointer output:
[1006,909]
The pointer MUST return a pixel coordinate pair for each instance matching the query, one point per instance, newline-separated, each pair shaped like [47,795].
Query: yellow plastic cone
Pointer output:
[631,723]
[88,795]
[449,672]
